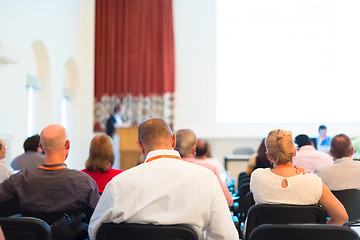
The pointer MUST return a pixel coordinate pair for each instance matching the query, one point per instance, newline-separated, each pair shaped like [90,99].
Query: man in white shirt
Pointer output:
[307,156]
[165,190]
[345,172]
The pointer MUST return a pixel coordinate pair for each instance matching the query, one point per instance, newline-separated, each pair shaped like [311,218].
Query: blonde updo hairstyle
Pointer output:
[280,146]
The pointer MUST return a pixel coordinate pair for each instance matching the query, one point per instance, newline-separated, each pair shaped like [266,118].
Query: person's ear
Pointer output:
[331,153]
[294,154]
[142,149]
[41,147]
[67,147]
[194,150]
[173,141]
[269,157]
[352,151]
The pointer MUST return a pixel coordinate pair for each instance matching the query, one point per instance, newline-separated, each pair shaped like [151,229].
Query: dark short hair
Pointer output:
[153,132]
[202,150]
[117,108]
[341,146]
[322,127]
[302,140]
[32,143]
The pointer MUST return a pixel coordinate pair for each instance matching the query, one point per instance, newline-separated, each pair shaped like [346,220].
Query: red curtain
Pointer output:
[134,48]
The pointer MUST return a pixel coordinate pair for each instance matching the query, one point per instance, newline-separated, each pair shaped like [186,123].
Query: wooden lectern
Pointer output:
[130,154]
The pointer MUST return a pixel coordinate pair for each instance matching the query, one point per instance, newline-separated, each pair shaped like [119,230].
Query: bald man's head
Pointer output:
[155,134]
[341,146]
[53,138]
[185,143]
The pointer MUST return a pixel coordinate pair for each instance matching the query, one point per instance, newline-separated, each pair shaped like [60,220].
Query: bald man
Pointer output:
[165,190]
[345,172]
[5,170]
[51,187]
[186,146]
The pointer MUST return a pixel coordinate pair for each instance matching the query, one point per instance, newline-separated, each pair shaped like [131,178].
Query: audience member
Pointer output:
[307,156]
[5,170]
[345,172]
[101,158]
[186,146]
[323,142]
[282,185]
[259,160]
[51,187]
[203,155]
[33,155]
[165,190]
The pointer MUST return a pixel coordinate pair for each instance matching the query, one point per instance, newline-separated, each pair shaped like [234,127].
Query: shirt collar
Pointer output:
[159,153]
[306,147]
[344,159]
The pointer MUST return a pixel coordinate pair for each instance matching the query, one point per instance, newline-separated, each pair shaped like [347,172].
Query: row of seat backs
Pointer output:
[28,228]
[283,214]
[303,231]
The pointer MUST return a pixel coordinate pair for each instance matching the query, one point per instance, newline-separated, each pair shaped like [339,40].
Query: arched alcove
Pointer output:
[38,82]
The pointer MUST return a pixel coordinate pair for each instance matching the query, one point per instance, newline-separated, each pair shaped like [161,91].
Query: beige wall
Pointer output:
[59,32]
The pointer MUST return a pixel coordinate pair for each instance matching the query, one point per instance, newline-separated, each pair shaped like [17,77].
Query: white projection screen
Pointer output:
[288,61]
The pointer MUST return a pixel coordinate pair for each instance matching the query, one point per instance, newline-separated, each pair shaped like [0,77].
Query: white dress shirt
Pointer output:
[309,158]
[166,190]
[343,174]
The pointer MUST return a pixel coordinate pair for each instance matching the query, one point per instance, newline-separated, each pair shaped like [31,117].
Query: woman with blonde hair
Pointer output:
[101,158]
[282,185]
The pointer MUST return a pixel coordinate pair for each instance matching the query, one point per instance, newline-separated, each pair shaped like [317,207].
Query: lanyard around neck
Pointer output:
[162,156]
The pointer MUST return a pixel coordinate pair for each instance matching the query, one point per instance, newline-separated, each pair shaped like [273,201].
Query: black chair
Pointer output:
[249,202]
[243,181]
[244,189]
[25,228]
[9,208]
[133,231]
[283,214]
[242,175]
[350,198]
[303,231]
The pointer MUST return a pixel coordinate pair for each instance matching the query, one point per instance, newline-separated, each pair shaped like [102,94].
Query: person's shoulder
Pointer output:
[311,176]
[260,173]
[114,172]
[207,165]
[75,173]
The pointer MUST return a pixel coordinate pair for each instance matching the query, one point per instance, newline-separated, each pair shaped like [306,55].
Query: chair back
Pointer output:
[249,202]
[243,190]
[350,198]
[303,231]
[133,231]
[25,228]
[283,214]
